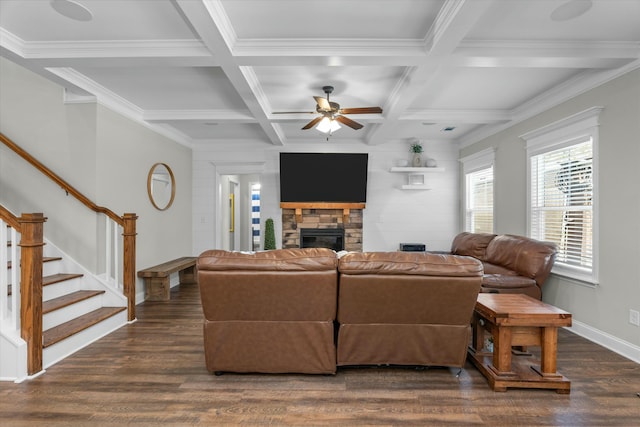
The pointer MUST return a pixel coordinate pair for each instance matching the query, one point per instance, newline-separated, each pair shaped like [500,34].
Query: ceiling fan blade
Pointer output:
[348,122]
[312,123]
[362,110]
[322,103]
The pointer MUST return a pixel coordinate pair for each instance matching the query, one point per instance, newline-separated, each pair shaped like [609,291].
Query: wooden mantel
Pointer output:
[298,206]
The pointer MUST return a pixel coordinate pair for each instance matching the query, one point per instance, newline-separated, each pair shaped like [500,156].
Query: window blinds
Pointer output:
[480,201]
[561,202]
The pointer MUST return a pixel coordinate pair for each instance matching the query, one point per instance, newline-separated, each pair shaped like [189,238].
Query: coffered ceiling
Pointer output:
[204,72]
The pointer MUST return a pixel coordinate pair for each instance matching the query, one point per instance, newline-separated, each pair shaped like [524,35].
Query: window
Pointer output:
[478,170]
[562,192]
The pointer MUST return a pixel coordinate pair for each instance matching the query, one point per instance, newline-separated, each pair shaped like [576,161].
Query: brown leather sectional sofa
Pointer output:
[405,308]
[308,311]
[512,264]
[271,311]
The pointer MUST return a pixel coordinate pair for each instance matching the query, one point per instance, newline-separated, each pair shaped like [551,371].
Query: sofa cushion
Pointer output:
[527,257]
[502,281]
[471,244]
[409,263]
[302,259]
[497,269]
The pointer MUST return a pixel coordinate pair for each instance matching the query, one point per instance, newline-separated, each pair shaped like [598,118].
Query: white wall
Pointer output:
[601,311]
[391,215]
[102,154]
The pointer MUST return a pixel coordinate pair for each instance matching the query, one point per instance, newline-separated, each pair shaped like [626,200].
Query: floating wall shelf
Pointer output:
[415,170]
[415,176]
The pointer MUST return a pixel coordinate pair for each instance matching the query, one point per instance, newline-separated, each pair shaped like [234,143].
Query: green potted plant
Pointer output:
[416,149]
[269,235]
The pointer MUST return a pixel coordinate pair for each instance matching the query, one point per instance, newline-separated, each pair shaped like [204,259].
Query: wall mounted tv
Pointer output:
[323,177]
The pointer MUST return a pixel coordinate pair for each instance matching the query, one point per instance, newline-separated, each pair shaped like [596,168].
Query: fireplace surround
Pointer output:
[322,219]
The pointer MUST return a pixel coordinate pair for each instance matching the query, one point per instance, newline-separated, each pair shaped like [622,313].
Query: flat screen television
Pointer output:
[323,177]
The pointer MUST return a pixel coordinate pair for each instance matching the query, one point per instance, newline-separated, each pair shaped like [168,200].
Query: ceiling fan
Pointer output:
[330,113]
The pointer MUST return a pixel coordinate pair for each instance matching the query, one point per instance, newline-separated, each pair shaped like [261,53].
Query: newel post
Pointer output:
[129,269]
[31,243]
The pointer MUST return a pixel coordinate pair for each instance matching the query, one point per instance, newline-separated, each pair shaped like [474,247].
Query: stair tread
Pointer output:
[65,330]
[67,300]
[45,259]
[56,278]
[60,277]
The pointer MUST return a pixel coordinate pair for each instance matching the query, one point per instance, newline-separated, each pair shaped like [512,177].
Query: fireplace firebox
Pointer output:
[332,238]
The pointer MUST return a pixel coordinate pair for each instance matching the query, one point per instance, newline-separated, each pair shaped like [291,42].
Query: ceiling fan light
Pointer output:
[328,125]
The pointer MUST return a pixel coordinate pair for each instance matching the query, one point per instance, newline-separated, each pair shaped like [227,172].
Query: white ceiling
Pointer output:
[209,71]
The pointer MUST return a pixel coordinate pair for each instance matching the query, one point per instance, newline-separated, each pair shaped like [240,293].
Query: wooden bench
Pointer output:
[157,278]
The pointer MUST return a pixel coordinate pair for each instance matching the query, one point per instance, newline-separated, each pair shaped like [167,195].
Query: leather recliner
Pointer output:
[512,264]
[406,308]
[269,312]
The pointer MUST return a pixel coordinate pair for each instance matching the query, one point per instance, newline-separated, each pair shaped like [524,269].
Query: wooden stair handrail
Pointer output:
[64,184]
[9,218]
[30,227]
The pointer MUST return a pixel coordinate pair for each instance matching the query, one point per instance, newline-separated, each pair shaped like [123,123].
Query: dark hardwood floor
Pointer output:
[152,373]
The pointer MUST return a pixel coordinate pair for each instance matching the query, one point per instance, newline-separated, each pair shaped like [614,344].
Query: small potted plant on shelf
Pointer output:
[416,149]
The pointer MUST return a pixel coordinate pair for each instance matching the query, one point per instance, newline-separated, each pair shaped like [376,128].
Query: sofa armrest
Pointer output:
[527,257]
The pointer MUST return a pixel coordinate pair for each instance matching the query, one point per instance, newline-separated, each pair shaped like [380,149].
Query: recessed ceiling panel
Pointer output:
[433,131]
[489,88]
[331,19]
[169,88]
[531,20]
[293,88]
[200,130]
[112,20]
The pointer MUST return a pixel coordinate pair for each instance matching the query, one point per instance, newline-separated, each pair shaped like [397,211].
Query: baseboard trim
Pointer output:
[615,344]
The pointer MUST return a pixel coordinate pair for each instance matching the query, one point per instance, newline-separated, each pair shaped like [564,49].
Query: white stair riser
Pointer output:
[70,312]
[64,348]
[59,289]
[50,268]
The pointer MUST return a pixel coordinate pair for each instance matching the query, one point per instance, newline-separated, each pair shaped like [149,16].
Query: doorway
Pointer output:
[240,216]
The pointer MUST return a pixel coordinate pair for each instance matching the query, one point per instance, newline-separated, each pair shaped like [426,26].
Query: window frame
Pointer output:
[476,162]
[561,134]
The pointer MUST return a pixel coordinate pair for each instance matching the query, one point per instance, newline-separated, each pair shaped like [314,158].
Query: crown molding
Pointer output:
[115,49]
[225,116]
[11,42]
[102,48]
[546,48]
[330,47]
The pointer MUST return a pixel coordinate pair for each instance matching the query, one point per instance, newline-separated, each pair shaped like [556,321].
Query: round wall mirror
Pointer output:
[161,186]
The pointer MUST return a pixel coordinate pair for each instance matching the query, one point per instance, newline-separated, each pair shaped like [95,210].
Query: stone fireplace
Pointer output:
[322,219]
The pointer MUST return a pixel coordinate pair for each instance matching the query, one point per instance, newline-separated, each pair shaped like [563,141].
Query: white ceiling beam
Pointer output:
[218,116]
[455,19]
[212,25]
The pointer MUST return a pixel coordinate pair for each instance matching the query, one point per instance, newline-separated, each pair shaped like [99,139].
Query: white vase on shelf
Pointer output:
[417,160]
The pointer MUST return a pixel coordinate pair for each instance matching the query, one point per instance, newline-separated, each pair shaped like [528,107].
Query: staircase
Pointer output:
[78,308]
[59,306]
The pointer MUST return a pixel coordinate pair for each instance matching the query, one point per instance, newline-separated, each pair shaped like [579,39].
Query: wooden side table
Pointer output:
[518,320]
